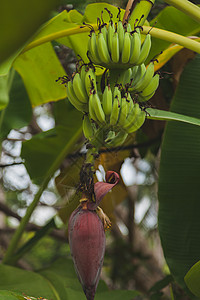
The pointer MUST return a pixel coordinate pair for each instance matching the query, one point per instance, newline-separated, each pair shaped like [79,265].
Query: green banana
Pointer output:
[146,46]
[91,109]
[92,47]
[141,70]
[118,140]
[115,48]
[97,107]
[134,71]
[145,80]
[123,112]
[90,80]
[120,30]
[132,116]
[146,98]
[83,73]
[107,100]
[104,31]
[129,103]
[125,76]
[151,87]
[79,89]
[128,28]
[126,50]
[138,122]
[116,106]
[111,30]
[135,48]
[74,100]
[88,129]
[103,49]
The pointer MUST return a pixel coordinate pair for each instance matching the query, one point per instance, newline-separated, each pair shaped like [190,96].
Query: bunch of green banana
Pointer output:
[144,83]
[79,88]
[121,112]
[116,112]
[117,46]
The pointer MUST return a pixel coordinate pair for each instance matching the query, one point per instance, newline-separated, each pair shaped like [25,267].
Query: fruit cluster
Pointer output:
[118,45]
[113,102]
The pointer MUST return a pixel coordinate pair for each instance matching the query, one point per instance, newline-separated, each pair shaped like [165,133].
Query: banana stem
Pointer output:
[173,38]
[187,7]
[141,11]
[155,32]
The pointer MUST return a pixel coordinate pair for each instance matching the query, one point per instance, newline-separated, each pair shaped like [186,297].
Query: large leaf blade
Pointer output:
[25,282]
[39,69]
[179,179]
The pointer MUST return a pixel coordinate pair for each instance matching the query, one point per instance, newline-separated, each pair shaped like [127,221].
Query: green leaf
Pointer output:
[25,282]
[172,19]
[156,114]
[93,11]
[4,91]
[39,69]
[33,241]
[192,279]
[178,192]
[7,64]
[19,20]
[18,112]
[117,295]
[6,295]
[43,149]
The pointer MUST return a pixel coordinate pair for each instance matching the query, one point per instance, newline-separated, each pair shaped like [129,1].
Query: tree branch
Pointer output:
[55,233]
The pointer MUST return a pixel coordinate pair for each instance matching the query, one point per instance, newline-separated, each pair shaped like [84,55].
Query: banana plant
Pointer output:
[121,54]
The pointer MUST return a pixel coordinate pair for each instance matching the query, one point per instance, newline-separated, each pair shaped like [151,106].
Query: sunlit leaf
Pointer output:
[192,279]
[166,55]
[4,91]
[156,114]
[172,19]
[19,20]
[39,68]
[179,179]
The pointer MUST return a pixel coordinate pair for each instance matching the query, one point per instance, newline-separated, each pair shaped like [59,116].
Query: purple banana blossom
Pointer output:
[87,237]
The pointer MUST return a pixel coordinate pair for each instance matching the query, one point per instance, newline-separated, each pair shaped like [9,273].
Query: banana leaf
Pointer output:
[178,191]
